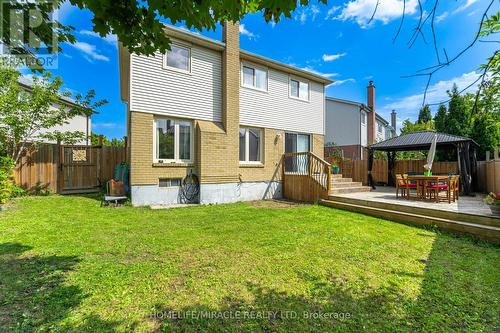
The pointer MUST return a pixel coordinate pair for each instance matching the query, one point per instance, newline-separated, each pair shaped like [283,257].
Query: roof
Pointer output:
[418,141]
[29,84]
[198,39]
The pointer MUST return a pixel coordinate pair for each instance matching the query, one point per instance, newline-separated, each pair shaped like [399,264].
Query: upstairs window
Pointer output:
[253,77]
[299,89]
[250,145]
[379,127]
[179,58]
[173,141]
[363,117]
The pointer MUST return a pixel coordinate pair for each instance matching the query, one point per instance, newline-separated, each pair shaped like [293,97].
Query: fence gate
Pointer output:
[79,169]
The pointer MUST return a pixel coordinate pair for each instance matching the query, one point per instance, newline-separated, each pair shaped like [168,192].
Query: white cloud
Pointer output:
[362,10]
[463,7]
[110,38]
[441,17]
[332,57]
[104,125]
[312,70]
[307,12]
[245,32]
[408,107]
[340,82]
[331,12]
[90,51]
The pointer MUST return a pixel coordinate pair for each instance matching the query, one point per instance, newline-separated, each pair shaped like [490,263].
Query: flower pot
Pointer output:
[495,209]
[335,170]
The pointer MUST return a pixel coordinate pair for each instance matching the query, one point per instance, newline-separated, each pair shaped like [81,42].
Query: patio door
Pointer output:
[297,143]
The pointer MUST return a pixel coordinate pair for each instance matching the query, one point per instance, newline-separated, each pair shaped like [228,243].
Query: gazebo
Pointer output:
[465,149]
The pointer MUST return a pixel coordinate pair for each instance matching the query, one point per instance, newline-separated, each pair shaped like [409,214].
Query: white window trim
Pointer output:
[176,159]
[254,87]
[247,146]
[175,69]
[290,78]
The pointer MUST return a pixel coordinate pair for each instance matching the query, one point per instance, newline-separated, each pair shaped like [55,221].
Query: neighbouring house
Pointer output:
[351,126]
[80,123]
[222,113]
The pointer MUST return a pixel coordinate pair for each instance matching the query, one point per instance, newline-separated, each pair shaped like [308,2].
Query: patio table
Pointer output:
[422,182]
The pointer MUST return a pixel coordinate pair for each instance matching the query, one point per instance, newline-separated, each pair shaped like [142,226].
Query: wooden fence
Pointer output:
[67,169]
[488,175]
[488,172]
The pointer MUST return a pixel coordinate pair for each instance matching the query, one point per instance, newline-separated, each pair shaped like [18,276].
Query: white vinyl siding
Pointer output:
[194,95]
[343,123]
[277,110]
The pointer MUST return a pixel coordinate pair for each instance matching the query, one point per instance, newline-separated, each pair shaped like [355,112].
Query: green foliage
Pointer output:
[6,182]
[27,117]
[97,139]
[440,119]
[424,115]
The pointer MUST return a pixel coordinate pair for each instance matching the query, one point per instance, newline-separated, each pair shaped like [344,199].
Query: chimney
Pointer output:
[231,77]
[393,120]
[372,131]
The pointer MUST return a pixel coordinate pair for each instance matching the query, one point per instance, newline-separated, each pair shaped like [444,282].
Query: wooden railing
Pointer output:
[306,177]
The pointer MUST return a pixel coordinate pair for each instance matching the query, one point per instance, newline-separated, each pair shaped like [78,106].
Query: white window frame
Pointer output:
[363,118]
[255,68]
[176,158]
[175,69]
[247,145]
[300,81]
[380,128]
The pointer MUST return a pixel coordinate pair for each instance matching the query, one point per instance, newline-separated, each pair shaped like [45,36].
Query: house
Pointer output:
[80,123]
[352,126]
[224,114]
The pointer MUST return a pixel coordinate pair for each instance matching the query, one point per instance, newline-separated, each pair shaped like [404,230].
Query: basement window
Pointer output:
[169,182]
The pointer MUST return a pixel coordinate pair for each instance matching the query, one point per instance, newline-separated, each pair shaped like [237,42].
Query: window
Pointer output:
[179,57]
[169,182]
[363,118]
[253,77]
[173,140]
[299,89]
[250,145]
[379,127]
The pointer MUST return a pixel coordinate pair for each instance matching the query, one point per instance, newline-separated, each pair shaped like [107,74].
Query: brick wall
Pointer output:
[142,169]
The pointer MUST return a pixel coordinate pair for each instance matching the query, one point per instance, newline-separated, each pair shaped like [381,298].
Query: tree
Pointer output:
[98,139]
[409,126]
[424,115]
[28,117]
[485,128]
[459,116]
[440,119]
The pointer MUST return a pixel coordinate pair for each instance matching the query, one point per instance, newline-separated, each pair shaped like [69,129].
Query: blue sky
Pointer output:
[333,39]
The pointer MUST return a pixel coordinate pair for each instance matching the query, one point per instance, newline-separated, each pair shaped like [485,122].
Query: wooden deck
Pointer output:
[468,215]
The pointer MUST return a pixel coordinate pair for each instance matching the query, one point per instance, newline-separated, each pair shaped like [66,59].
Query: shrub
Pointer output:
[6,184]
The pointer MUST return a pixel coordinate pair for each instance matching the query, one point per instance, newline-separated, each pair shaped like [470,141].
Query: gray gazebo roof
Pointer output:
[419,141]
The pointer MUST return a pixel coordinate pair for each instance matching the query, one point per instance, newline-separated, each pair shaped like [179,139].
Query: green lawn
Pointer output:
[67,265]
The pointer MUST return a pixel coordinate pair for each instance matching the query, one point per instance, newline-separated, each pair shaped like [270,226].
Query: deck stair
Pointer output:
[484,227]
[340,185]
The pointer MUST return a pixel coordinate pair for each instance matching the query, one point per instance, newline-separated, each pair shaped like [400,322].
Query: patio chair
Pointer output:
[403,186]
[435,188]
[454,188]
[410,185]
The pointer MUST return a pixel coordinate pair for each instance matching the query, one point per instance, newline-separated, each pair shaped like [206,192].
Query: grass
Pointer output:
[67,265]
